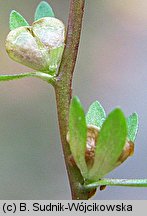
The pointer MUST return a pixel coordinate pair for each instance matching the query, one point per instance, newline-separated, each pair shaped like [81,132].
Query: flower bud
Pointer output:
[39,46]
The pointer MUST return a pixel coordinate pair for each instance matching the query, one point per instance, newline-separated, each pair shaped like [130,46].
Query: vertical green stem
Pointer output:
[63,91]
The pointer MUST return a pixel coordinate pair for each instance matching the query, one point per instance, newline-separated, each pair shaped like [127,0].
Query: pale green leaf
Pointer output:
[16,20]
[55,58]
[132,123]
[110,144]
[37,74]
[118,182]
[78,134]
[43,10]
[96,114]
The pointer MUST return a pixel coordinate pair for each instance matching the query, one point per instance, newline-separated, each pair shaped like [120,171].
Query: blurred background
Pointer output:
[111,68]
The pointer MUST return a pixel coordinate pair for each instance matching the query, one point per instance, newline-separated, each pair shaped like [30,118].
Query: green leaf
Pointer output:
[16,20]
[78,134]
[37,74]
[110,144]
[132,123]
[55,58]
[118,182]
[43,10]
[96,114]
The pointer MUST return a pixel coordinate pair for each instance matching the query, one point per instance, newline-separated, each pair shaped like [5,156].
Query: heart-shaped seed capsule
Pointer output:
[39,46]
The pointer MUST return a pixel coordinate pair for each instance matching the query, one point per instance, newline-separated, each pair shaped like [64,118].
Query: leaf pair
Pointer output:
[17,20]
[96,116]
[111,139]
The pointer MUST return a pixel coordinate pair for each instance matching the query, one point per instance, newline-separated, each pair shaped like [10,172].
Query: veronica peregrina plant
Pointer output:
[94,143]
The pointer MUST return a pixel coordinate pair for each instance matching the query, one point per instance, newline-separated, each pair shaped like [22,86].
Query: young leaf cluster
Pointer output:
[115,131]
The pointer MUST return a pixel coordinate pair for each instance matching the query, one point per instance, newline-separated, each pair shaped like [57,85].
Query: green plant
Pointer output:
[93,144]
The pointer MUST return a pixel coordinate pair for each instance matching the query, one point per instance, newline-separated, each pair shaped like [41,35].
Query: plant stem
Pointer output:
[63,92]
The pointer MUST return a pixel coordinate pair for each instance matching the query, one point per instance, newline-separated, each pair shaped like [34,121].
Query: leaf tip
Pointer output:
[76,103]
[135,115]
[117,112]
[132,123]
[42,4]
[43,10]
[16,20]
[119,116]
[96,114]
[12,12]
[75,99]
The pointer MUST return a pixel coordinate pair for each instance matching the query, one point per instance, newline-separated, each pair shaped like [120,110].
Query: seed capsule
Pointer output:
[127,151]
[39,46]
[92,136]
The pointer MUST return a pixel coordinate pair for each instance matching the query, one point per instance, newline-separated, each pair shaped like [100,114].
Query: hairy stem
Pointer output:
[63,92]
